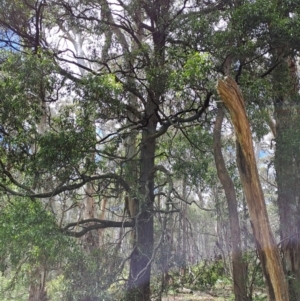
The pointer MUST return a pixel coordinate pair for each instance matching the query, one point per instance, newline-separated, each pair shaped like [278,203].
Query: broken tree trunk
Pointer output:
[266,245]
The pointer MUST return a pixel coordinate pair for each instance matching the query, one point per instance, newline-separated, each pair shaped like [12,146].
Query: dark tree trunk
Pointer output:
[266,244]
[238,266]
[141,258]
[287,165]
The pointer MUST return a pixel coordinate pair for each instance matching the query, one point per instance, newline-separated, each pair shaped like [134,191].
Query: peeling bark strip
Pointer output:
[266,245]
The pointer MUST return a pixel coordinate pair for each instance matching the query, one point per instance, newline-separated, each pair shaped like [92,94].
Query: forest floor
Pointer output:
[197,296]
[220,294]
[202,296]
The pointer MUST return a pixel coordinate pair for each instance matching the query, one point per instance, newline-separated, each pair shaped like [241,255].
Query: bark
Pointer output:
[287,166]
[141,258]
[140,264]
[37,289]
[89,240]
[37,293]
[238,267]
[102,217]
[266,245]
[140,202]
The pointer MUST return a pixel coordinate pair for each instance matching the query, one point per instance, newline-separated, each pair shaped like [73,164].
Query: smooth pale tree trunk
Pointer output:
[238,267]
[90,241]
[266,244]
[102,217]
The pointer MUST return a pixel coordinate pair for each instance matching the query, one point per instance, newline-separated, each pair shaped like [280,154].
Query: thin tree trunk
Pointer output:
[102,217]
[266,245]
[238,267]
[183,217]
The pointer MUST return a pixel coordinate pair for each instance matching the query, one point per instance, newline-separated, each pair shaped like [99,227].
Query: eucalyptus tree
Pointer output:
[273,33]
[126,77]
[115,77]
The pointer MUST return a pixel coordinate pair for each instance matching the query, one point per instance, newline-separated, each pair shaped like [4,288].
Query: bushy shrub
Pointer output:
[205,275]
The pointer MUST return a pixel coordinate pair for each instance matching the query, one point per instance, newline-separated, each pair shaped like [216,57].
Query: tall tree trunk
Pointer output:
[238,267]
[141,258]
[287,166]
[266,245]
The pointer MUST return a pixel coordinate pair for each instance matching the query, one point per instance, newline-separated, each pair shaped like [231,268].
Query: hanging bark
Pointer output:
[238,267]
[266,245]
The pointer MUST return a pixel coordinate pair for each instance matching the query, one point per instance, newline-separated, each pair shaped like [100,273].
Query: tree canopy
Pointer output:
[111,162]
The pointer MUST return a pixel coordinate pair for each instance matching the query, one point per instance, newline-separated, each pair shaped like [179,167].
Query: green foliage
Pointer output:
[19,292]
[26,82]
[99,96]
[29,237]
[55,288]
[202,277]
[190,154]
[90,274]
[173,78]
[195,72]
[205,275]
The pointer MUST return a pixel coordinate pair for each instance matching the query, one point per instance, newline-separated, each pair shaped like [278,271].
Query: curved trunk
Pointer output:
[238,267]
[266,245]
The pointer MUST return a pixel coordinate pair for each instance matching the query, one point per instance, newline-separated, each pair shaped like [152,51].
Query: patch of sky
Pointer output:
[262,154]
[9,41]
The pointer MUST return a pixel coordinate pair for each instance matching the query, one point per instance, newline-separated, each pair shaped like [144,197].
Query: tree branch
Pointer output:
[63,188]
[98,224]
